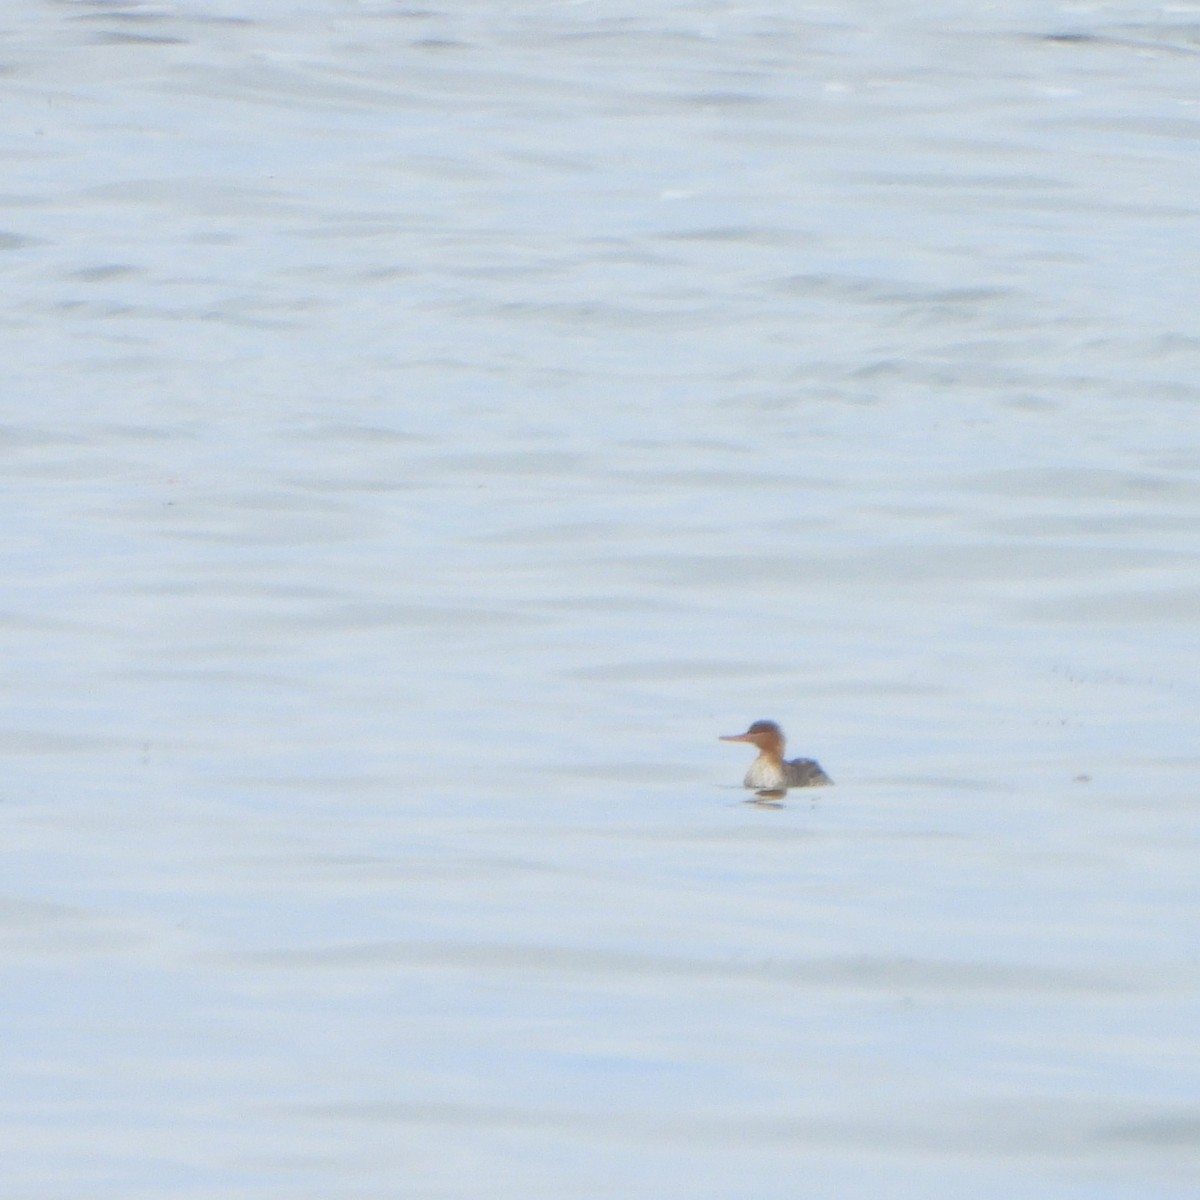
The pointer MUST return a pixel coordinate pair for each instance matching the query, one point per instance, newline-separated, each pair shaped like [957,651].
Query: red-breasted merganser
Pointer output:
[769,772]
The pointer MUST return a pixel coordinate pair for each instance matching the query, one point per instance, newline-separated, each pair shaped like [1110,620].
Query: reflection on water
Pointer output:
[427,429]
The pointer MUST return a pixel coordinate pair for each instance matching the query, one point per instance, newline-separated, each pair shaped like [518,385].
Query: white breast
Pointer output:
[764,774]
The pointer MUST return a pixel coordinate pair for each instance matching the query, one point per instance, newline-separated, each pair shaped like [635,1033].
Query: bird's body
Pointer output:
[770,771]
[798,772]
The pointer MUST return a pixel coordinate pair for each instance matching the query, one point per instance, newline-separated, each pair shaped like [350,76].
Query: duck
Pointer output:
[769,771]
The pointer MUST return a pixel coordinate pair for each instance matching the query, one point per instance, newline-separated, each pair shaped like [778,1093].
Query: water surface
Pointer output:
[427,429]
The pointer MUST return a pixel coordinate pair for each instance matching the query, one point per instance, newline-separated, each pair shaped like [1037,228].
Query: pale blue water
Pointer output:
[426,430]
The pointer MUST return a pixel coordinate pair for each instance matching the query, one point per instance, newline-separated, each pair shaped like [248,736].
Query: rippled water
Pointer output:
[426,430]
